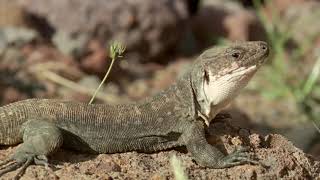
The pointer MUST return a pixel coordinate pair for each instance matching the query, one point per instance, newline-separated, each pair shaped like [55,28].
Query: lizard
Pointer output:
[176,116]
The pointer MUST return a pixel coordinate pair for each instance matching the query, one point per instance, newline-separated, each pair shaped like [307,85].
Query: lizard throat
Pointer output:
[221,89]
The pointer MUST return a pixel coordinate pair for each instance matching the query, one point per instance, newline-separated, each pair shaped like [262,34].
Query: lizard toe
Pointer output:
[238,157]
[6,162]
[16,161]
[13,165]
[41,160]
[23,167]
[10,167]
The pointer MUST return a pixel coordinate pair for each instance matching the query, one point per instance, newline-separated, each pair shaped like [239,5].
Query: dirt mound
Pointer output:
[280,159]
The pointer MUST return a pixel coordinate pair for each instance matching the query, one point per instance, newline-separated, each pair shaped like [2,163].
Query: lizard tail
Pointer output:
[11,118]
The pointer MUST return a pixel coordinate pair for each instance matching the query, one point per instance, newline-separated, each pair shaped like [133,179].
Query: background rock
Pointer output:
[149,29]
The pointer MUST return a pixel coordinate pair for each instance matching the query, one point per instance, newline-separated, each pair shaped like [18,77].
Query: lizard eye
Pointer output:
[235,55]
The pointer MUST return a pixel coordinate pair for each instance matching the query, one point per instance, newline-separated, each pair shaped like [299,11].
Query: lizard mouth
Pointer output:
[245,70]
[235,71]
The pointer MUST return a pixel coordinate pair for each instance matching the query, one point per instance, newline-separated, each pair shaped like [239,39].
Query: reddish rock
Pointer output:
[280,159]
[148,28]
[229,20]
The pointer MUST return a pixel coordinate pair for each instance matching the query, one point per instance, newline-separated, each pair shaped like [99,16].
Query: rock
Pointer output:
[225,19]
[11,14]
[15,36]
[98,60]
[147,28]
[23,61]
[281,158]
[66,44]
[10,95]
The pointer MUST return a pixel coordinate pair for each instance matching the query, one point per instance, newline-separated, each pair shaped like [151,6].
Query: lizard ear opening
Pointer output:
[206,76]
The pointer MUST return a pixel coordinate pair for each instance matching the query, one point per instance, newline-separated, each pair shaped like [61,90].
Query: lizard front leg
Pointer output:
[40,138]
[209,156]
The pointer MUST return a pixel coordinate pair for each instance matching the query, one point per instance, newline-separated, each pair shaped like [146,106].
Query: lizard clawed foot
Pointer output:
[238,157]
[11,164]
[14,163]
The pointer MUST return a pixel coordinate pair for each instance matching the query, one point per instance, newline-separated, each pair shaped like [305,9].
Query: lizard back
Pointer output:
[98,127]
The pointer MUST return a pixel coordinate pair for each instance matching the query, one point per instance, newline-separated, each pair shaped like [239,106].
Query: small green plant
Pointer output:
[284,83]
[116,50]
[178,169]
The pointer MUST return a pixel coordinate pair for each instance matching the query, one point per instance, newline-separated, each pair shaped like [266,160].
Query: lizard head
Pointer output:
[220,73]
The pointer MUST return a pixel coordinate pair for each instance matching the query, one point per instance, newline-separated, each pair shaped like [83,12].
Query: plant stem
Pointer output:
[102,82]
[312,79]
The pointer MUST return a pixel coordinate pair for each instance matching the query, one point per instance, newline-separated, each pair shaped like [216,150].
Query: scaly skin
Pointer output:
[174,117]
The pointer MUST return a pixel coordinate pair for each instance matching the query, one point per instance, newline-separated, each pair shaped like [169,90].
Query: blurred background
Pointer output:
[60,49]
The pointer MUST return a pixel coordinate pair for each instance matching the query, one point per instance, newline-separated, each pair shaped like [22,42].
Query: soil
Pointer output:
[279,159]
